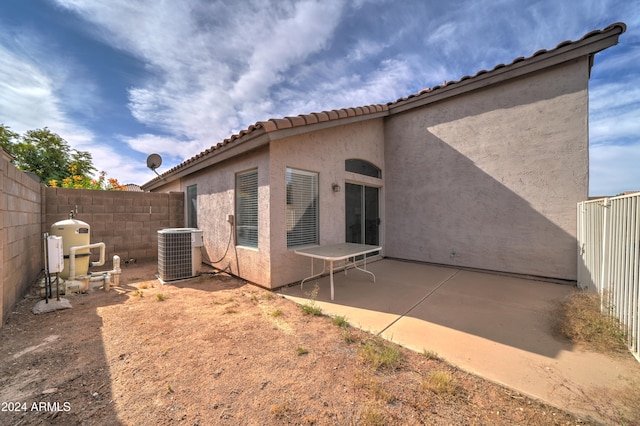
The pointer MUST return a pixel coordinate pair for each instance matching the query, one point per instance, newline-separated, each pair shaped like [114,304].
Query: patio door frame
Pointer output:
[359,209]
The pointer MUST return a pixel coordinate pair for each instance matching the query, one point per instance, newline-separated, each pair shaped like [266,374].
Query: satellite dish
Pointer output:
[153,162]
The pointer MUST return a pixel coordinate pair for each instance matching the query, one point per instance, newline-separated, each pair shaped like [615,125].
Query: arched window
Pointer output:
[362,167]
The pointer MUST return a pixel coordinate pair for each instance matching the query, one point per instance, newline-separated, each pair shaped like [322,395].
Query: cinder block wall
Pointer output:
[127,222]
[21,244]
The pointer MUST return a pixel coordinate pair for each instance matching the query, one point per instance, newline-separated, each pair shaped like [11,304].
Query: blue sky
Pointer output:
[126,78]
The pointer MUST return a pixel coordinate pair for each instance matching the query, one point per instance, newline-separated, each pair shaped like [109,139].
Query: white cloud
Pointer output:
[116,164]
[30,94]
[170,147]
[365,48]
[614,169]
[26,94]
[284,43]
[615,112]
[207,78]
[37,93]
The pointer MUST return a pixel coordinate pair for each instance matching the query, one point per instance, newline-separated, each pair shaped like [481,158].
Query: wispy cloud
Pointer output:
[615,107]
[26,93]
[612,165]
[207,79]
[40,90]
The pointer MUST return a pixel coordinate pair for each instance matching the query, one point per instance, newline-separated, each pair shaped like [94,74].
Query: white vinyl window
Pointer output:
[247,208]
[302,208]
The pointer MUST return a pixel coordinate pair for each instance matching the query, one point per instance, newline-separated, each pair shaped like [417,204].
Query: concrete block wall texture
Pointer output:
[20,234]
[127,222]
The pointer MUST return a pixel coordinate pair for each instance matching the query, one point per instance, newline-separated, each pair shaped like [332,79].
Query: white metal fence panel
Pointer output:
[609,258]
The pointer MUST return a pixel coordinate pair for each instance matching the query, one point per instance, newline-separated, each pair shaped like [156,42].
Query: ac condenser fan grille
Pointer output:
[174,255]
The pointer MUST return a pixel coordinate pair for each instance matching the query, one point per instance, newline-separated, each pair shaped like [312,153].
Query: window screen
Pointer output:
[247,208]
[302,208]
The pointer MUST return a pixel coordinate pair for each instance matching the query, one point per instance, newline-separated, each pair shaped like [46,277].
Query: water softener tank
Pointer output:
[74,233]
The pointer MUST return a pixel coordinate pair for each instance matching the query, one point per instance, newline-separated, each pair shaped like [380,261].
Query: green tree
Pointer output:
[7,138]
[81,163]
[44,153]
[51,158]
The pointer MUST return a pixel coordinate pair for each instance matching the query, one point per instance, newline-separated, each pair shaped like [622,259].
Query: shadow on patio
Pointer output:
[501,309]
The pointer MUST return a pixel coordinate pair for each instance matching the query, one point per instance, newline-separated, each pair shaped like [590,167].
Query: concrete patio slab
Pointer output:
[498,327]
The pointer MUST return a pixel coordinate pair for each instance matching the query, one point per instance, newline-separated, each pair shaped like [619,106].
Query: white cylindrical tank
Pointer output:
[74,233]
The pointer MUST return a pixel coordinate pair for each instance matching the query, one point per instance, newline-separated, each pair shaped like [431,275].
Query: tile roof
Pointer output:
[276,124]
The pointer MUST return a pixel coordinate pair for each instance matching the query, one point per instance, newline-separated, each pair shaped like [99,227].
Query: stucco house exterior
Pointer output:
[484,172]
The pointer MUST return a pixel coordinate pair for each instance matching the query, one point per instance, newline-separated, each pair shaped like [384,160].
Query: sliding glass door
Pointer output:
[362,206]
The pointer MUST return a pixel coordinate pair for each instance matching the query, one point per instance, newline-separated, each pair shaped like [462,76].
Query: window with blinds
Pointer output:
[302,208]
[247,208]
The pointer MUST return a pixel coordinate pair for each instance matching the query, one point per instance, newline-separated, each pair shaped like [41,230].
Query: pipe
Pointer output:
[72,257]
[104,276]
[107,276]
[102,259]
[116,270]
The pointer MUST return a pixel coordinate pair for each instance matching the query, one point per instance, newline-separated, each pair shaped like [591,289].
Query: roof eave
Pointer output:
[251,141]
[220,153]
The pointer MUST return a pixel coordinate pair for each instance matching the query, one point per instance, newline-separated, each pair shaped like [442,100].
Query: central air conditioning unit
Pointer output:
[179,254]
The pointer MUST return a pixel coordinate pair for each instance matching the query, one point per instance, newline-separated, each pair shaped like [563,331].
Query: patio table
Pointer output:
[337,252]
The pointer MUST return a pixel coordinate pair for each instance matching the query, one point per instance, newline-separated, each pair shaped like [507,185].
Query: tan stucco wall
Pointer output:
[325,152]
[216,201]
[493,176]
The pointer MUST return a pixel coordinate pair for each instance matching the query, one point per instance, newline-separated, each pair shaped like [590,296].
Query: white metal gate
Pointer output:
[609,258]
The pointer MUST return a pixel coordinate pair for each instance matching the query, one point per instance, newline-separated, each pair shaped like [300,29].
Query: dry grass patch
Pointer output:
[340,321]
[280,411]
[375,388]
[442,383]
[349,337]
[579,319]
[378,354]
[432,355]
[373,416]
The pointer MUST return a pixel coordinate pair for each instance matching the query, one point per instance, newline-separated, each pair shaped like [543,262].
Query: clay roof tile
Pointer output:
[281,123]
[297,121]
[321,116]
[310,118]
[268,126]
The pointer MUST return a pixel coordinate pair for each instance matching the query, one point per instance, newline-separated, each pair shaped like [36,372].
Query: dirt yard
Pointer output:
[215,350]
